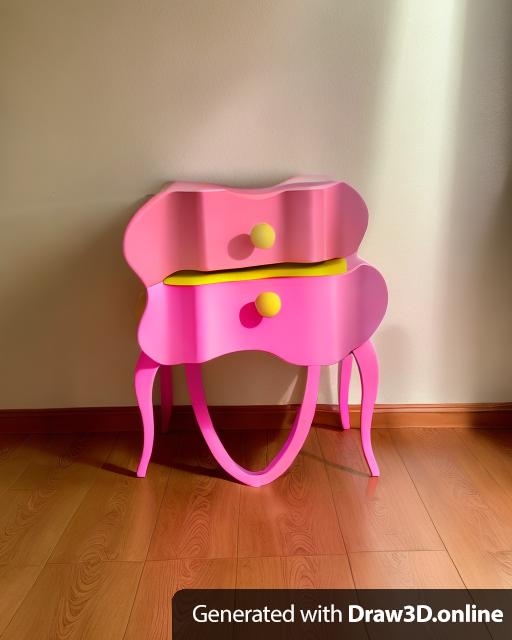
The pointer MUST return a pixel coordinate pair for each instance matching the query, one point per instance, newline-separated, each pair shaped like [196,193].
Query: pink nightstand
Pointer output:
[308,306]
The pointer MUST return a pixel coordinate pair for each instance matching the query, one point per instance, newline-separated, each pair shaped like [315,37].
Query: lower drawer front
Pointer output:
[320,319]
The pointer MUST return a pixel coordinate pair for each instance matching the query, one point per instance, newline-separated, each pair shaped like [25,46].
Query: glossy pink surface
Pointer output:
[366,359]
[344,373]
[207,227]
[290,449]
[321,320]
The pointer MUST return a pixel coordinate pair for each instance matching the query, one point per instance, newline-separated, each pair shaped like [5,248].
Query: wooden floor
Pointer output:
[89,551]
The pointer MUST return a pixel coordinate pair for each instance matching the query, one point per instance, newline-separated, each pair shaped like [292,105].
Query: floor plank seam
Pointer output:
[189,558]
[79,562]
[238,517]
[395,550]
[238,534]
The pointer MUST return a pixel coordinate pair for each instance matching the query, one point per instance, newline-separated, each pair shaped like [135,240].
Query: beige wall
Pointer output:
[103,101]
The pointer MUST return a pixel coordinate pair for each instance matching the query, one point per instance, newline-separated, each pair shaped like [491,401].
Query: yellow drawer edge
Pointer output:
[284,270]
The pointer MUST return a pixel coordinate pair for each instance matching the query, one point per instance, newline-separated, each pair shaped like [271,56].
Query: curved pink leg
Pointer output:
[145,372]
[345,370]
[290,449]
[165,396]
[368,365]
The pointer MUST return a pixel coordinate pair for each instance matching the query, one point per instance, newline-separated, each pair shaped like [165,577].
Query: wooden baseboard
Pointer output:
[108,419]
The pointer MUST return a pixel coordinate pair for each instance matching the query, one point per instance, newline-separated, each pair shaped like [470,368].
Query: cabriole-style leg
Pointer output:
[145,372]
[368,365]
[345,369]
[290,449]
[165,396]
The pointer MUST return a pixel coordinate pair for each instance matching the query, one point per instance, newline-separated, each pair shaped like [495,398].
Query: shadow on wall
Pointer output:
[478,300]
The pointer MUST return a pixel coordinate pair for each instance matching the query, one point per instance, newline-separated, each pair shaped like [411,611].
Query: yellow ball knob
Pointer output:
[268,304]
[263,236]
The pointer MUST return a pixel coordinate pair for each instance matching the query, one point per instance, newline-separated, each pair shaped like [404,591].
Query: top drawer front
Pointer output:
[209,230]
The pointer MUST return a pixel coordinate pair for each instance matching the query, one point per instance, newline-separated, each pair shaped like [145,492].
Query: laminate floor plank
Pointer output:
[198,516]
[15,583]
[43,456]
[493,448]
[486,569]
[404,570]
[14,458]
[470,509]
[375,514]
[151,615]
[295,514]
[58,460]
[116,519]
[295,572]
[89,600]
[37,507]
